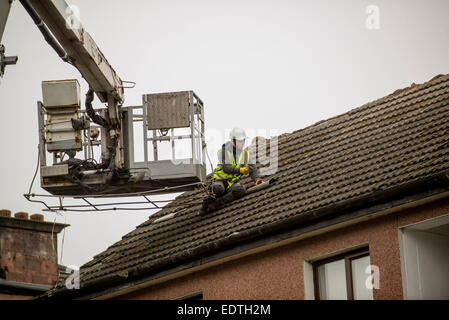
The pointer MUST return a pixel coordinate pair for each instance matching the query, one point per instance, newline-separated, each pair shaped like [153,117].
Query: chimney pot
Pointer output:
[21,215]
[5,213]
[37,217]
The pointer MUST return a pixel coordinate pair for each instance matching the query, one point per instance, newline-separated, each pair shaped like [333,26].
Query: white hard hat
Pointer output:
[237,133]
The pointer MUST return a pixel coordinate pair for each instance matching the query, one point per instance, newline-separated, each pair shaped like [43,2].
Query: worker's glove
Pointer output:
[244,170]
[259,182]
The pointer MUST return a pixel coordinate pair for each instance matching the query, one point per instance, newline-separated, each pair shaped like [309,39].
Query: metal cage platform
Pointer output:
[165,120]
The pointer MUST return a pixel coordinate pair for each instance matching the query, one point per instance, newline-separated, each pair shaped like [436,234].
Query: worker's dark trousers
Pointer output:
[236,191]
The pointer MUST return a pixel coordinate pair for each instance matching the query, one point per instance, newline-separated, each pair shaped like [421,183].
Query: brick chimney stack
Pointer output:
[28,251]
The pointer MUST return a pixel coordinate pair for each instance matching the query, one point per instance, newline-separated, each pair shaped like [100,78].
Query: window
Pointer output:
[343,277]
[425,259]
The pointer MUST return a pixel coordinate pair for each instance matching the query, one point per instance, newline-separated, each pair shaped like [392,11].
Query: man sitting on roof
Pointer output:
[233,163]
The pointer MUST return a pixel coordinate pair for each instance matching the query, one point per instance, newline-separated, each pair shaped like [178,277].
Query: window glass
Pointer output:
[359,278]
[332,281]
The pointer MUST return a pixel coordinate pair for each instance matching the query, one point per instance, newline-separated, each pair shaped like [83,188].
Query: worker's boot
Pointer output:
[214,205]
[231,195]
[205,206]
[210,204]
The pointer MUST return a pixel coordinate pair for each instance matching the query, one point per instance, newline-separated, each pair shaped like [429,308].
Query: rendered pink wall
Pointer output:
[279,274]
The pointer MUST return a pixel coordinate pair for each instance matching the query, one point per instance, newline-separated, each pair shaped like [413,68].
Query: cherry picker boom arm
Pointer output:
[81,51]
[99,144]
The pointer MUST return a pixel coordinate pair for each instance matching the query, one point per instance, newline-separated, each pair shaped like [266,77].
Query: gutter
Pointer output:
[22,287]
[410,192]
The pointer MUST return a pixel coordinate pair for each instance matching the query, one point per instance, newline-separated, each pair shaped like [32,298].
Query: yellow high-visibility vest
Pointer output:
[243,160]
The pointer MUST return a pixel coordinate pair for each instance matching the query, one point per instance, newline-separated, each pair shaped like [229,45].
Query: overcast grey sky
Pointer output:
[256,64]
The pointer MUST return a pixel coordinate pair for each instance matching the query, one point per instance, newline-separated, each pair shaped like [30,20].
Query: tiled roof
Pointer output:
[380,145]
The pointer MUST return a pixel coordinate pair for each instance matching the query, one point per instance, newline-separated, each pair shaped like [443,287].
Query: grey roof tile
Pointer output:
[380,145]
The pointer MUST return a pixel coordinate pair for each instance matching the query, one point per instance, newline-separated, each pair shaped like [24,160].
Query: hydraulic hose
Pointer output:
[109,162]
[91,112]
[44,30]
